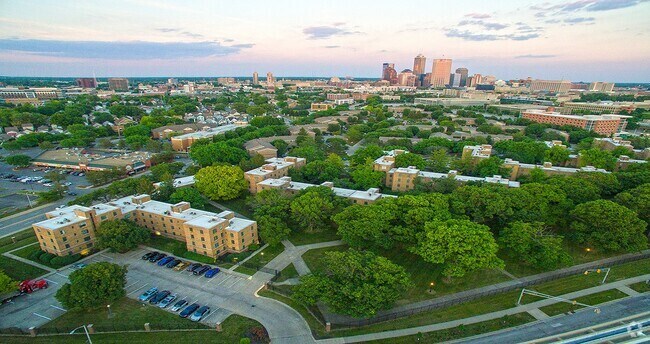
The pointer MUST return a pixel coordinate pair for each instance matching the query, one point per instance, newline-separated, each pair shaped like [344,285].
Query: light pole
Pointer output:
[85,330]
[29,200]
[110,314]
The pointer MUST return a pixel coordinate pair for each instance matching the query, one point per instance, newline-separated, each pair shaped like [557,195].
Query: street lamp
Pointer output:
[431,287]
[110,314]
[85,330]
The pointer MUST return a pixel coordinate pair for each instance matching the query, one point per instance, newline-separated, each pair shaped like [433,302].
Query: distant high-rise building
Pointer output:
[269,78]
[389,73]
[87,82]
[454,80]
[419,64]
[172,81]
[118,84]
[384,68]
[256,78]
[440,72]
[556,86]
[406,78]
[600,86]
[463,76]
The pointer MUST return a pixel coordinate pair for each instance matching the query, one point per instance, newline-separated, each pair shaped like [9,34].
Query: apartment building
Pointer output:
[477,153]
[356,196]
[261,147]
[321,106]
[599,107]
[72,229]
[183,142]
[601,124]
[274,168]
[518,169]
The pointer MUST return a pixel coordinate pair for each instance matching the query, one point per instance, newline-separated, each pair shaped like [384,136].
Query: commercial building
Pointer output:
[419,64]
[72,229]
[256,78]
[440,72]
[274,168]
[118,84]
[16,95]
[270,80]
[518,169]
[601,124]
[477,153]
[86,82]
[554,86]
[358,197]
[599,107]
[168,131]
[406,78]
[183,142]
[600,86]
[84,160]
[321,106]
[463,76]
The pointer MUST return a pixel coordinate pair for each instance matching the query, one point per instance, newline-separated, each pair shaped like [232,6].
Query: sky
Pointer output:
[579,40]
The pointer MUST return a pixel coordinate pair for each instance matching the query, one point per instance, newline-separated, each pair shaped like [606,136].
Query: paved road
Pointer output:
[566,323]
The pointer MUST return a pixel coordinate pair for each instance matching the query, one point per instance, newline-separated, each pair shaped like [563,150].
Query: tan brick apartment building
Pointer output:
[601,124]
[71,230]
[274,168]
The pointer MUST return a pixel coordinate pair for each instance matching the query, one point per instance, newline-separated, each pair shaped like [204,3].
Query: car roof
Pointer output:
[204,308]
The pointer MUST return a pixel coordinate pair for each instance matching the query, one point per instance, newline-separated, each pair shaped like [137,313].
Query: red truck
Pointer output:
[25,287]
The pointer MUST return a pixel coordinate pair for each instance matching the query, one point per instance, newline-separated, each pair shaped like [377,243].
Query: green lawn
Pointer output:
[18,270]
[299,238]
[288,272]
[627,270]
[177,248]
[260,259]
[420,272]
[592,300]
[641,287]
[238,205]
[462,331]
[24,237]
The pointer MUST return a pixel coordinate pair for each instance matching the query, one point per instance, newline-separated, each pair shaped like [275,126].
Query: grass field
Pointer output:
[302,238]
[288,272]
[22,238]
[238,205]
[592,300]
[130,314]
[641,287]
[462,331]
[260,259]
[19,271]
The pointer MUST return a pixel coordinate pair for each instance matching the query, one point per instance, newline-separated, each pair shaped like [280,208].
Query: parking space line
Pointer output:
[137,289]
[224,280]
[128,286]
[49,281]
[211,312]
[62,275]
[105,256]
[42,316]
[59,308]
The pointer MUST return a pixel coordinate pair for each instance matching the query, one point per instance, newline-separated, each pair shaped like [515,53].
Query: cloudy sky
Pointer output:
[572,39]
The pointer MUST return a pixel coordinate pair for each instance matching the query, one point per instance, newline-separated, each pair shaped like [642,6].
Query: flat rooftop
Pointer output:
[209,133]
[90,158]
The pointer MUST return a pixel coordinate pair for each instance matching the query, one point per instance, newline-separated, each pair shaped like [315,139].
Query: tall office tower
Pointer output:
[118,84]
[256,78]
[478,79]
[463,76]
[269,78]
[454,80]
[385,70]
[440,72]
[406,78]
[87,82]
[419,64]
[601,86]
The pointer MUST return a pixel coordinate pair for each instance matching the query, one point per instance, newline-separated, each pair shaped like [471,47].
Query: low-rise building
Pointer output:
[168,131]
[261,147]
[84,160]
[601,124]
[183,142]
[274,168]
[518,169]
[599,107]
[72,229]
[321,106]
[477,153]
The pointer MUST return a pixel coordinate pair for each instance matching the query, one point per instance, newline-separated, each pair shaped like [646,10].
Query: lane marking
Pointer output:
[105,256]
[128,286]
[59,308]
[49,281]
[42,316]
[62,275]
[137,289]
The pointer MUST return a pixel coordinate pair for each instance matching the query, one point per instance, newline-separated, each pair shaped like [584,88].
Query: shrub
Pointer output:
[35,256]
[253,247]
[65,260]
[46,257]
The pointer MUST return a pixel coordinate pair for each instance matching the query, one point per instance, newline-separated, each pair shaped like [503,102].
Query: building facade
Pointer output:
[86,82]
[72,229]
[118,84]
[440,72]
[275,168]
[419,64]
[555,86]
[601,124]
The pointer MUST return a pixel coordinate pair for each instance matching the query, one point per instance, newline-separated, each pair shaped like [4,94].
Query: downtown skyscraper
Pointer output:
[440,72]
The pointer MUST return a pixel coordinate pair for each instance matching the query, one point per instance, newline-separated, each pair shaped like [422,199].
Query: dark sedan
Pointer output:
[193,267]
[202,270]
[157,257]
[189,310]
[159,297]
[173,263]
[149,255]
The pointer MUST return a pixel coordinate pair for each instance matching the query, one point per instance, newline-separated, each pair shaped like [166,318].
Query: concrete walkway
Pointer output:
[219,205]
[27,261]
[294,253]
[538,314]
[249,257]
[483,317]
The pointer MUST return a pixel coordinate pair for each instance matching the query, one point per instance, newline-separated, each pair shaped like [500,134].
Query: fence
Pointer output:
[468,295]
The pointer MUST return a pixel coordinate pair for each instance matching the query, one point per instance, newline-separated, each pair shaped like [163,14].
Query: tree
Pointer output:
[526,151]
[95,285]
[105,143]
[597,158]
[356,283]
[272,229]
[557,155]
[220,182]
[608,226]
[7,285]
[365,177]
[410,159]
[191,195]
[281,146]
[461,246]
[312,209]
[490,167]
[439,161]
[607,183]
[120,235]
[365,226]
[320,171]
[362,154]
[485,204]
[206,155]
[637,199]
[18,160]
[532,243]
[158,171]
[576,189]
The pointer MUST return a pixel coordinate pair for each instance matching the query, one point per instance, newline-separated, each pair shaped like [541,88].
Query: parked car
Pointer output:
[193,267]
[79,266]
[178,305]
[148,255]
[200,313]
[148,294]
[210,273]
[157,257]
[159,297]
[72,193]
[173,263]
[165,260]
[181,266]
[189,310]
[202,270]
[167,300]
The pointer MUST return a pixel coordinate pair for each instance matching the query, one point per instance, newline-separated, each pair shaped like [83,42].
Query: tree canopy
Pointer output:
[220,182]
[94,285]
[533,244]
[120,235]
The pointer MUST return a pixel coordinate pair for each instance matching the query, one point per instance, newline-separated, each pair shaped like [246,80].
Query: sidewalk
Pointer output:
[484,317]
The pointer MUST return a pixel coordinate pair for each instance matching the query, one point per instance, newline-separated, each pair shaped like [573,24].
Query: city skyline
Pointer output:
[508,39]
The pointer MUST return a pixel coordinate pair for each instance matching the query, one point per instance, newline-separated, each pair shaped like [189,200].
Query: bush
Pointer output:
[253,247]
[65,260]
[46,257]
[35,256]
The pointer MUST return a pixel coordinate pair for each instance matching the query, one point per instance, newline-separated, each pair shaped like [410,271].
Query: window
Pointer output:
[64,239]
[87,238]
[192,236]
[203,245]
[232,242]
[202,239]
[82,225]
[67,245]
[62,231]
[85,231]
[103,217]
